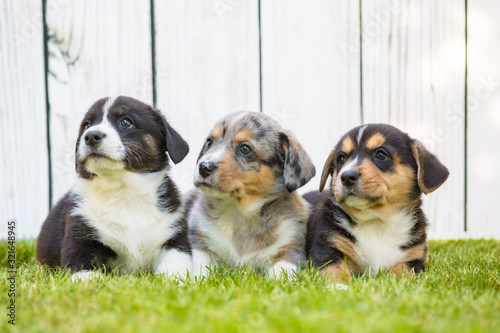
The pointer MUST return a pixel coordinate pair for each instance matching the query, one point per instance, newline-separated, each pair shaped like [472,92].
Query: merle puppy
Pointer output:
[246,210]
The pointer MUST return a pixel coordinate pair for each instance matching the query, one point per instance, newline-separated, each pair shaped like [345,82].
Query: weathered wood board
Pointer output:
[207,60]
[310,72]
[96,49]
[483,118]
[24,169]
[414,77]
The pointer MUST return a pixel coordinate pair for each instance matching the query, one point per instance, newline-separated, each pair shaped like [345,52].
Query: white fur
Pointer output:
[360,134]
[202,262]
[85,275]
[123,209]
[111,144]
[338,286]
[219,236]
[214,156]
[282,270]
[173,263]
[378,242]
[350,165]
[107,105]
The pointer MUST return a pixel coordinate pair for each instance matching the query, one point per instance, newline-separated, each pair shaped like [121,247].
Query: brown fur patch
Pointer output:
[401,269]
[283,253]
[347,145]
[338,273]
[249,186]
[375,141]
[150,142]
[216,132]
[326,170]
[413,253]
[347,247]
[243,135]
[392,190]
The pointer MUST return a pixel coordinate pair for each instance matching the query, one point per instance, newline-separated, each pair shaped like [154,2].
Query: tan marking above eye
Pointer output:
[150,141]
[216,132]
[347,145]
[375,141]
[243,135]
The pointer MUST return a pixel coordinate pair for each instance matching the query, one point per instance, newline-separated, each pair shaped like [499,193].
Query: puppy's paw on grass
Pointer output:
[338,286]
[282,271]
[85,276]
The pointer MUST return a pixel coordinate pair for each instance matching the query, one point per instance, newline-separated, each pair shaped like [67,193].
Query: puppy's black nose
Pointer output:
[349,177]
[93,138]
[206,168]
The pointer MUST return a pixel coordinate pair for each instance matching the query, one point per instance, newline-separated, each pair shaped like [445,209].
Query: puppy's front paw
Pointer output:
[338,286]
[85,275]
[202,263]
[174,264]
[282,270]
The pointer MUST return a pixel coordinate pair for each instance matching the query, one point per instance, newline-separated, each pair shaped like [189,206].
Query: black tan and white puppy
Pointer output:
[124,212]
[246,211]
[371,219]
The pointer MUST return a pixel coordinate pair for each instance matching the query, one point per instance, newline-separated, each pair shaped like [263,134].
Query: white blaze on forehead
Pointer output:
[360,134]
[107,106]
[111,144]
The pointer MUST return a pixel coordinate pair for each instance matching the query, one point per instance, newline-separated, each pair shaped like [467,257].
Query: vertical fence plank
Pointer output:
[23,137]
[414,77]
[97,49]
[207,60]
[483,121]
[310,71]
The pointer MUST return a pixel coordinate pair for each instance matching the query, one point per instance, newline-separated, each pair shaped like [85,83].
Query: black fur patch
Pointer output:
[180,240]
[169,197]
[324,222]
[69,242]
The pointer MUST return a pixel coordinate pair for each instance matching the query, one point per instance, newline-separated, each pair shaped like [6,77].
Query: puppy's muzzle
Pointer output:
[206,169]
[94,138]
[349,178]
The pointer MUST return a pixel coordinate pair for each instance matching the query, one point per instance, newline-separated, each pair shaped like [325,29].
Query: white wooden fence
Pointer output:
[431,67]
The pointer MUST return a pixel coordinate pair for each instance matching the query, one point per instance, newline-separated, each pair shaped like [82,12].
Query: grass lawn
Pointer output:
[459,292]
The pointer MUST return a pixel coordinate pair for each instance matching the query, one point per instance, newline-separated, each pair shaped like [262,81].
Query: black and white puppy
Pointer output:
[124,212]
[371,218]
[246,211]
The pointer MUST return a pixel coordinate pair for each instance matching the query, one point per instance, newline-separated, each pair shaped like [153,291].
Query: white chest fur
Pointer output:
[378,243]
[127,218]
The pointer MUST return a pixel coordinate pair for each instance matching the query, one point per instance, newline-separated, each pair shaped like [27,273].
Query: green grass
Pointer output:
[459,292]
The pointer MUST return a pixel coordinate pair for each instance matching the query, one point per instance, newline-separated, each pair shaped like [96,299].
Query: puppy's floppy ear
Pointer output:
[177,147]
[298,168]
[327,170]
[431,172]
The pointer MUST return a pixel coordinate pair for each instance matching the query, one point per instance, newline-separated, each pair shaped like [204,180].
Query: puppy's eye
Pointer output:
[245,149]
[341,159]
[126,122]
[86,125]
[210,142]
[381,155]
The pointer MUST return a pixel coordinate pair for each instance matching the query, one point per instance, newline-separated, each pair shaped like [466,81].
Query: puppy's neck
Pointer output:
[136,184]
[253,210]
[383,214]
